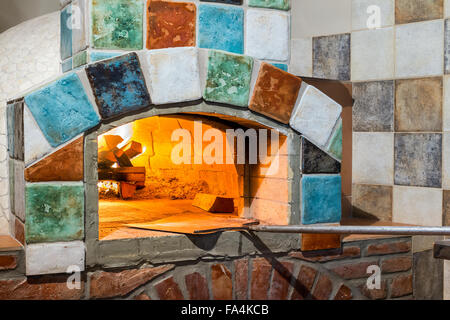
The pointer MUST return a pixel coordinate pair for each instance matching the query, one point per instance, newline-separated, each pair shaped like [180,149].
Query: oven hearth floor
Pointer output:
[175,215]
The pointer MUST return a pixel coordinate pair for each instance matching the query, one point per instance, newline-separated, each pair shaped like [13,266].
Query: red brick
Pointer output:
[39,288]
[168,289]
[304,283]
[344,293]
[347,252]
[323,288]
[142,296]
[281,281]
[374,294]
[113,284]
[19,231]
[396,264]
[222,283]
[8,262]
[241,279]
[261,271]
[353,270]
[197,286]
[388,248]
[401,286]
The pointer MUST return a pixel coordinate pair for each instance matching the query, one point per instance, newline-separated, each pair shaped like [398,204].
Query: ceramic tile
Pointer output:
[65,164]
[335,144]
[15,129]
[281,66]
[417,206]
[446,208]
[79,28]
[315,160]
[418,159]
[118,85]
[418,105]
[62,109]
[80,59]
[362,13]
[174,75]
[321,199]
[301,57]
[275,93]
[228,78]
[237,2]
[267,34]
[66,66]
[446,104]
[171,24]
[66,33]
[273,4]
[35,144]
[56,257]
[102,55]
[407,11]
[372,48]
[372,201]
[373,107]
[419,49]
[331,57]
[447,46]
[373,158]
[315,116]
[55,212]
[221,28]
[446,160]
[19,190]
[117,24]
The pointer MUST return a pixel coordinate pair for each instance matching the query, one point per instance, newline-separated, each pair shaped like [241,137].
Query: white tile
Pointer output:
[35,144]
[446,160]
[373,158]
[446,11]
[419,49]
[267,34]
[315,115]
[174,75]
[446,104]
[417,206]
[311,18]
[79,38]
[301,57]
[366,13]
[54,257]
[372,54]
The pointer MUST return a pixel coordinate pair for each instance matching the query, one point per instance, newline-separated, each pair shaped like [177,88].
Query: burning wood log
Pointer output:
[127,190]
[108,142]
[127,174]
[122,158]
[213,203]
[132,149]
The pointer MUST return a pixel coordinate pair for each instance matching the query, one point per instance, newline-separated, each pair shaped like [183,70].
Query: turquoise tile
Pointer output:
[321,199]
[117,24]
[228,78]
[273,4]
[62,109]
[335,145]
[281,66]
[66,32]
[101,55]
[118,85]
[54,212]
[221,28]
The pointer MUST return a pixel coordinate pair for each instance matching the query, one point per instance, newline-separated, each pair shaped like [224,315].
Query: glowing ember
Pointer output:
[108,189]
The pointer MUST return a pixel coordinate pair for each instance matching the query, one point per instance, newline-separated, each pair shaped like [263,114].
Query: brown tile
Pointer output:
[372,201]
[280,281]
[168,289]
[8,262]
[407,11]
[418,105]
[311,241]
[171,24]
[261,271]
[275,93]
[304,283]
[222,283]
[446,208]
[19,231]
[65,164]
[197,286]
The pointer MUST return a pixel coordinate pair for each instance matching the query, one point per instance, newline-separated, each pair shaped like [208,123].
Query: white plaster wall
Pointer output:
[29,56]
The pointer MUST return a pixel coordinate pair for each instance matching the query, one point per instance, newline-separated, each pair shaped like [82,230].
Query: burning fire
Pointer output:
[108,188]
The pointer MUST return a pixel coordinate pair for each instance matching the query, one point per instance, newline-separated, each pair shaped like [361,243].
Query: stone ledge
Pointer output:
[7,243]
